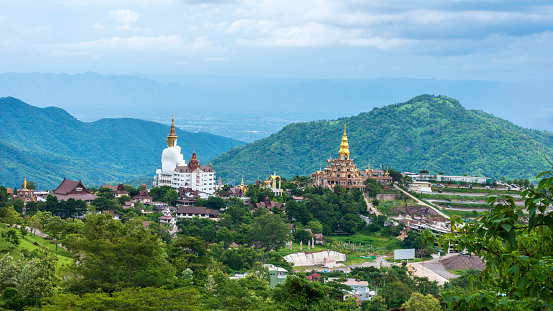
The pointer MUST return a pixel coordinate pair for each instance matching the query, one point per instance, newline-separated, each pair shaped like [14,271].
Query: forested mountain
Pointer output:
[47,144]
[433,132]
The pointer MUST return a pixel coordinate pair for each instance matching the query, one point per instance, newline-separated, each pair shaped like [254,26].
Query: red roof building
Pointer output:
[72,189]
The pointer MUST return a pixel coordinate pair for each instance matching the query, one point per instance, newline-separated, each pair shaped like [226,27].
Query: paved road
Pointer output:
[370,208]
[433,269]
[422,203]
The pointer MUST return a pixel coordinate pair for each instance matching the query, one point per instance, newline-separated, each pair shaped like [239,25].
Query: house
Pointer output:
[120,191]
[268,204]
[188,196]
[292,228]
[277,275]
[113,214]
[127,205]
[313,277]
[143,197]
[73,189]
[298,198]
[169,219]
[110,187]
[359,289]
[319,238]
[146,223]
[197,211]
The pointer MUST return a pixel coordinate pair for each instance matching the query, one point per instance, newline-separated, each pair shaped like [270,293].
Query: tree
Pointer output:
[395,293]
[519,262]
[112,256]
[302,236]
[171,196]
[142,299]
[9,215]
[373,187]
[423,171]
[396,176]
[55,229]
[419,302]
[269,231]
[32,278]
[18,206]
[315,226]
[378,303]
[300,294]
[4,197]
[11,236]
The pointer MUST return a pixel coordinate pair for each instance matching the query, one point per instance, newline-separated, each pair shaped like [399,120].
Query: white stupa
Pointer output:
[171,156]
[176,173]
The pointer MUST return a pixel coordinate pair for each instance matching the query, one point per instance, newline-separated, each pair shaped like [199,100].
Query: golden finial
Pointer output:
[344,147]
[172,137]
[242,183]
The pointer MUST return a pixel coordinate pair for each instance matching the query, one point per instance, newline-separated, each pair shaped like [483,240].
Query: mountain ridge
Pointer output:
[434,132]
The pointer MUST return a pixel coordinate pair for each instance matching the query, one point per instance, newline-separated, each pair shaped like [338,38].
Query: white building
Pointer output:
[176,173]
[359,289]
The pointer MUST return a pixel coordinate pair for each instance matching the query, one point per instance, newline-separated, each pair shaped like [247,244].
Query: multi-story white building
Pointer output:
[176,173]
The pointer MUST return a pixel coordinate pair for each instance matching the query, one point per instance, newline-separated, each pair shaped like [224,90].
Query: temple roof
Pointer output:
[344,147]
[71,187]
[172,137]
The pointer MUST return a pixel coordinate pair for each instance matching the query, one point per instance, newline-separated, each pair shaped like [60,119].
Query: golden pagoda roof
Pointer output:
[344,146]
[172,137]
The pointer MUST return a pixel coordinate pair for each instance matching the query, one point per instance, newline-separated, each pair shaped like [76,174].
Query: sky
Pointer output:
[341,39]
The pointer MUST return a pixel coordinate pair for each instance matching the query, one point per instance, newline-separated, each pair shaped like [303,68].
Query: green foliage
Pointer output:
[28,280]
[518,260]
[269,231]
[11,236]
[426,130]
[300,294]
[112,256]
[419,302]
[302,236]
[150,298]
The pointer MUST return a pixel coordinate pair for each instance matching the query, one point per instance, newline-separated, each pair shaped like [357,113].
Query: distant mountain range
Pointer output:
[426,132]
[47,144]
[250,108]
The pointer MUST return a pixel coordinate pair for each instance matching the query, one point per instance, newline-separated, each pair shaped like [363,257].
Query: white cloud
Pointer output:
[125,17]
[97,26]
[167,44]
[218,59]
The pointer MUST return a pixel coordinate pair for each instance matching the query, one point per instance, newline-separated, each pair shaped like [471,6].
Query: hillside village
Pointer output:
[352,234]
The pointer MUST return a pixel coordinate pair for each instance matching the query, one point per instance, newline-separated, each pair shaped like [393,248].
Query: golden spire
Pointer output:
[172,137]
[25,183]
[242,183]
[344,147]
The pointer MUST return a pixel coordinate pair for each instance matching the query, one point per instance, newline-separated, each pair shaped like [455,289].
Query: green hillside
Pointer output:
[47,144]
[433,132]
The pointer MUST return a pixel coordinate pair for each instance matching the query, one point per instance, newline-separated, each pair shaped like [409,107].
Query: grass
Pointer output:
[377,243]
[64,257]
